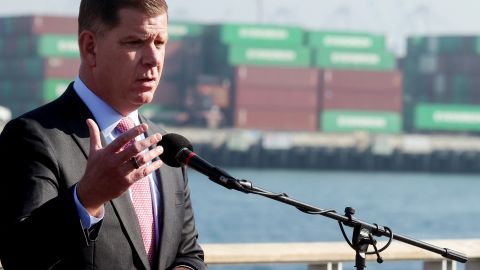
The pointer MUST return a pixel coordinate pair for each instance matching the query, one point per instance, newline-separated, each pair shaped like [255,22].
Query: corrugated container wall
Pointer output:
[39,57]
[275,98]
[350,50]
[441,71]
[249,44]
[183,64]
[345,93]
[348,121]
[447,117]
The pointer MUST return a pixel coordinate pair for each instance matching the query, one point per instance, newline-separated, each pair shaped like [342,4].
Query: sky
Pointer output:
[396,19]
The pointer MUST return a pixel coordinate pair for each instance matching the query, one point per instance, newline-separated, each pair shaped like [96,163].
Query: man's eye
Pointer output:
[135,42]
[159,44]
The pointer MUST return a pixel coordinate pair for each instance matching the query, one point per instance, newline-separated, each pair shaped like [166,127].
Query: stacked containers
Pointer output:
[277,98]
[39,58]
[442,85]
[232,45]
[183,62]
[269,65]
[360,88]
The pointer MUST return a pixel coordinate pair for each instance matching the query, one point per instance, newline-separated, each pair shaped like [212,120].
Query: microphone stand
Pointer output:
[363,232]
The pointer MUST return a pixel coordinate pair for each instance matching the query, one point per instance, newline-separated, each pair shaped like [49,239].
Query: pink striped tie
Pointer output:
[142,200]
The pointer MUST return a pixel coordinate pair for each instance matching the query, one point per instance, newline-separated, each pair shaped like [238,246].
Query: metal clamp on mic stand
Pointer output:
[362,238]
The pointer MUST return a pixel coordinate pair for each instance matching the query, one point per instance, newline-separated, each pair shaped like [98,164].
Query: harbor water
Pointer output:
[419,205]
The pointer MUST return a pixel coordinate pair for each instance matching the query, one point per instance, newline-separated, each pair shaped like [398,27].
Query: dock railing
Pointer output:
[331,255]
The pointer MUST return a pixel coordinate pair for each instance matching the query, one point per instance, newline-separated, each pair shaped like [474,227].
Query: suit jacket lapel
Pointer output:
[76,113]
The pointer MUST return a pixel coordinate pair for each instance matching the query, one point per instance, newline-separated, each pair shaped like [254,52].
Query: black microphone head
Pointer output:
[172,144]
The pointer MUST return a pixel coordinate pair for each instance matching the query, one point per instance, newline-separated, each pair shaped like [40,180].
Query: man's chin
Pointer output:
[145,98]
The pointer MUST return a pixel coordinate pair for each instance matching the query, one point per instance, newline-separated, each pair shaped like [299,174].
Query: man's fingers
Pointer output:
[95,141]
[146,157]
[129,135]
[140,147]
[148,169]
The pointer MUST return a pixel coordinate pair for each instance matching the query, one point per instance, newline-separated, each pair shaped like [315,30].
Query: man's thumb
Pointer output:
[95,141]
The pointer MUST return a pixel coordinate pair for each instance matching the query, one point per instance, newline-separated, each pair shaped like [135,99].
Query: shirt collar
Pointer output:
[106,117]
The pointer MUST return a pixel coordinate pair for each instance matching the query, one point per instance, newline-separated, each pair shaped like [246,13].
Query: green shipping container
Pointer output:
[350,121]
[265,56]
[180,30]
[160,114]
[39,91]
[38,68]
[7,25]
[258,35]
[442,44]
[477,45]
[6,92]
[53,88]
[346,40]
[65,46]
[447,117]
[346,59]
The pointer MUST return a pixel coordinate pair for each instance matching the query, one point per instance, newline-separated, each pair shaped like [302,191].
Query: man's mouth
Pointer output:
[146,79]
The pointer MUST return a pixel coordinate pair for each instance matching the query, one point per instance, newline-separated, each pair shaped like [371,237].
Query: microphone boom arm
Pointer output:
[246,186]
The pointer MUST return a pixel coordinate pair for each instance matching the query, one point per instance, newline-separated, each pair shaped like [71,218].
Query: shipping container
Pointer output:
[163,115]
[181,30]
[268,56]
[39,91]
[364,100]
[174,60]
[39,68]
[169,94]
[442,45]
[277,97]
[352,121]
[282,120]
[276,76]
[215,92]
[447,117]
[443,88]
[363,60]
[346,40]
[361,79]
[432,63]
[37,25]
[65,46]
[258,35]
[184,59]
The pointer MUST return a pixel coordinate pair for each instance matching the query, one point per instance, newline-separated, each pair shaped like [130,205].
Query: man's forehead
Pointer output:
[137,19]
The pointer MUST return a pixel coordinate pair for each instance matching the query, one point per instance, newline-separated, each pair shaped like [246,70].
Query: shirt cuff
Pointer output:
[85,218]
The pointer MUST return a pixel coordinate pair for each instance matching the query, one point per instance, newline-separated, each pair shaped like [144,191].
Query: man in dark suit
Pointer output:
[81,184]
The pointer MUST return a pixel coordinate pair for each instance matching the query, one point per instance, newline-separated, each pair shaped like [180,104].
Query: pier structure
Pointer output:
[437,153]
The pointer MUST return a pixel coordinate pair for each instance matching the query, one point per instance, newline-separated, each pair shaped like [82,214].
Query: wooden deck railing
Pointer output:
[331,255]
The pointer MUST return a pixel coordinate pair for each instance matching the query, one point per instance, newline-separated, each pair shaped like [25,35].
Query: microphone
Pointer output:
[178,151]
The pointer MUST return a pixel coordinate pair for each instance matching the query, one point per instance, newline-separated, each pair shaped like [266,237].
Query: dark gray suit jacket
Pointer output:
[43,154]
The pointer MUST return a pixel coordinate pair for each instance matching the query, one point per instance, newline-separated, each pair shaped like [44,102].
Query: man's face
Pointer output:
[129,60]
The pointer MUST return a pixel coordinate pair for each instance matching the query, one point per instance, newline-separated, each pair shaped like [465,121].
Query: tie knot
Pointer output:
[125,124]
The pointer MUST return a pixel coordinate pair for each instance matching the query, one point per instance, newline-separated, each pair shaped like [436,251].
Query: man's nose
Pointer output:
[152,55]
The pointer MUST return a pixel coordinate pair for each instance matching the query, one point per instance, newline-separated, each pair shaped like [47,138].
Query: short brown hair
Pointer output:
[95,14]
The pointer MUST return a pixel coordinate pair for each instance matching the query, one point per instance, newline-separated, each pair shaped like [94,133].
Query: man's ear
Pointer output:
[87,43]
